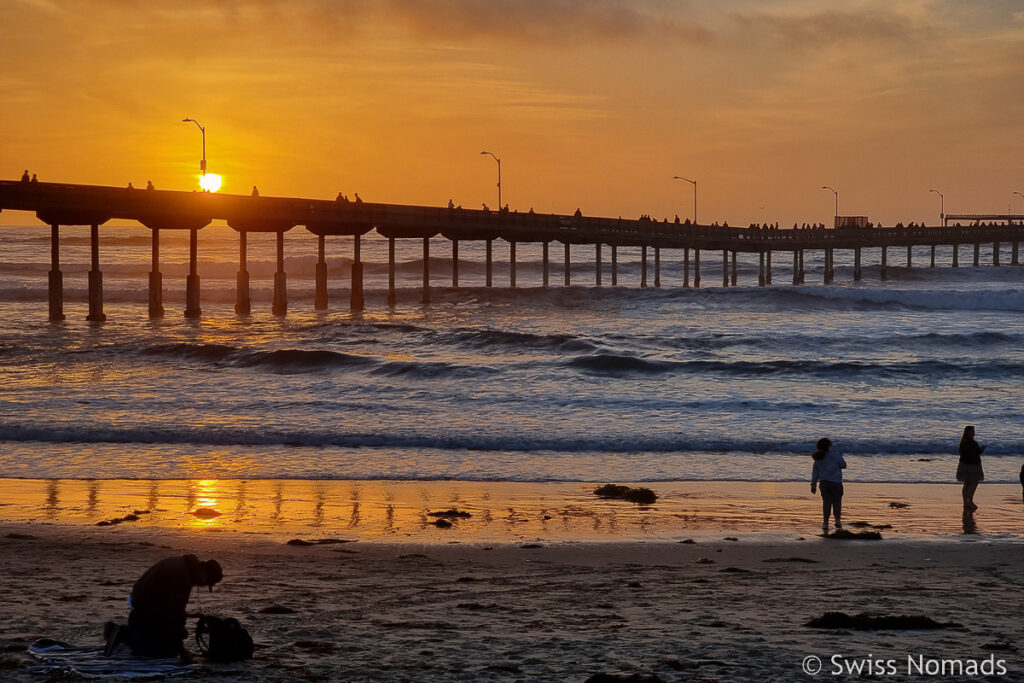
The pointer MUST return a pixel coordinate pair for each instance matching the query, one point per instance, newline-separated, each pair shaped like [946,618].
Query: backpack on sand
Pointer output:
[223,640]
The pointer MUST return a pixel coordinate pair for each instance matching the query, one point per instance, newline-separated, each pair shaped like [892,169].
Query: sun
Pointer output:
[210,182]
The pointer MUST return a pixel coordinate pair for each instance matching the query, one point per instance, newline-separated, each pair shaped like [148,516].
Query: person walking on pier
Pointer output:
[827,472]
[24,176]
[969,469]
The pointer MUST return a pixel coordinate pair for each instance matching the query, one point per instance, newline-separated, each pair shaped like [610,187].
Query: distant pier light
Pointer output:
[213,184]
[835,220]
[942,206]
[694,183]
[495,157]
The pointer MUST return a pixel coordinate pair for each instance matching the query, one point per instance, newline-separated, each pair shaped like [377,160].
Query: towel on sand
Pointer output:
[60,658]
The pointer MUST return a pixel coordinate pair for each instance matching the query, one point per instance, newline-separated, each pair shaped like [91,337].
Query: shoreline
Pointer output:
[504,512]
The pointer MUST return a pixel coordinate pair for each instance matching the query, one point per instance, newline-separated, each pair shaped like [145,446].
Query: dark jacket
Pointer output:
[159,599]
[970,452]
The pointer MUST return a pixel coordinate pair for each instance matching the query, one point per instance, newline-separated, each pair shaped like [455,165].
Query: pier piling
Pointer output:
[856,265]
[597,264]
[544,266]
[686,267]
[882,269]
[96,313]
[156,285]
[392,299]
[356,301]
[956,255]
[734,268]
[192,309]
[696,267]
[280,305]
[977,254]
[995,253]
[1014,250]
[426,270]
[768,267]
[933,257]
[243,302]
[320,293]
[512,263]
[489,267]
[615,265]
[56,277]
[657,266]
[567,273]
[910,257]
[643,266]
[760,269]
[455,264]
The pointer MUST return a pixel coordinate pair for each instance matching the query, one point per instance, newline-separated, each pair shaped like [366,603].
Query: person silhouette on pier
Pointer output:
[358,200]
[255,192]
[24,176]
[451,204]
[34,179]
[149,185]
[130,186]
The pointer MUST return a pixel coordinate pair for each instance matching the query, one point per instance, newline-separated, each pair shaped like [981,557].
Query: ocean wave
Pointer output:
[491,339]
[482,441]
[431,370]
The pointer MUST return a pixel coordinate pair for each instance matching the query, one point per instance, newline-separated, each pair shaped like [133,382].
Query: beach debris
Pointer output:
[531,546]
[898,506]
[277,609]
[791,559]
[869,622]
[441,523]
[925,459]
[450,514]
[205,513]
[688,541]
[731,538]
[704,560]
[319,541]
[845,535]
[864,525]
[639,495]
[132,517]
[20,537]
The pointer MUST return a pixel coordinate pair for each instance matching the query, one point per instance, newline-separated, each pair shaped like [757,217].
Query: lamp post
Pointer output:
[694,183]
[499,176]
[202,164]
[836,219]
[942,205]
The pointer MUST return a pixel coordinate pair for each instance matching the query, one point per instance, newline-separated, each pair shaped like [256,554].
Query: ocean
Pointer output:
[565,384]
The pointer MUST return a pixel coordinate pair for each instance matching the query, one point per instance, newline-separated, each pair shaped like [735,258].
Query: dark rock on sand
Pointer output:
[20,537]
[450,514]
[688,541]
[298,541]
[277,609]
[844,535]
[899,506]
[639,495]
[441,523]
[868,622]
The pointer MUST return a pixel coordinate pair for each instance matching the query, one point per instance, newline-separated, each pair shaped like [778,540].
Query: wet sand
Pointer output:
[520,597]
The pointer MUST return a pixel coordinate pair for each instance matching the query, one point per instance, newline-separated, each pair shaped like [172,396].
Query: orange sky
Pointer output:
[590,103]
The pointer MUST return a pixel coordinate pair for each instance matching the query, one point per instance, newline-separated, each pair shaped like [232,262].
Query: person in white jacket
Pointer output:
[827,472]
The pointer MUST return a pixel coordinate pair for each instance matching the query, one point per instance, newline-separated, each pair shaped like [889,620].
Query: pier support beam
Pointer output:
[977,254]
[615,265]
[243,302]
[192,309]
[280,305]
[489,263]
[856,264]
[933,257]
[956,255]
[995,253]
[696,267]
[56,277]
[768,267]
[426,270]
[643,266]
[802,272]
[392,299]
[320,292]
[96,313]
[725,267]
[760,269]
[686,266]
[910,257]
[657,266]
[733,268]
[156,285]
[796,266]
[1014,251]
[597,264]
[882,273]
[544,259]
[455,263]
[568,272]
[356,301]
[830,272]
[512,263]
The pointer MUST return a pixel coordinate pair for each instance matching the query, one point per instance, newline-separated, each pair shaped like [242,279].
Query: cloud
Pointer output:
[879,26]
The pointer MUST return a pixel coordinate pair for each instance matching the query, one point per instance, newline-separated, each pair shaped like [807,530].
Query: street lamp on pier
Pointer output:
[942,205]
[836,219]
[694,183]
[499,175]
[202,164]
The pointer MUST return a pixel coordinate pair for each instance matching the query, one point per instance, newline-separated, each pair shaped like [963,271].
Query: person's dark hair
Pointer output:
[968,436]
[823,446]
[213,572]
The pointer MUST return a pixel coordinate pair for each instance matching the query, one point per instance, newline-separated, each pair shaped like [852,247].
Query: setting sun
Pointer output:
[210,182]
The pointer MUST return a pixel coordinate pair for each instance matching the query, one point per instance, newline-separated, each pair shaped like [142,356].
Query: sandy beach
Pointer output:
[493,603]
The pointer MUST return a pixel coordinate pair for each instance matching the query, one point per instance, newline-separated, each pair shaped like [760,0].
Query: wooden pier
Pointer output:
[59,205]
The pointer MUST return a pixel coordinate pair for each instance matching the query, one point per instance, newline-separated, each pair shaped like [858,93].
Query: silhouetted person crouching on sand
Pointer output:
[969,470]
[827,471]
[157,621]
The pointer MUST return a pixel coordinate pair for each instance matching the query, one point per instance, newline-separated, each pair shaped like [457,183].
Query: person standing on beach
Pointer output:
[827,472]
[969,469]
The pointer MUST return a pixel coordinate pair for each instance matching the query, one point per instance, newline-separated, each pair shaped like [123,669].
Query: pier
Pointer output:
[59,205]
